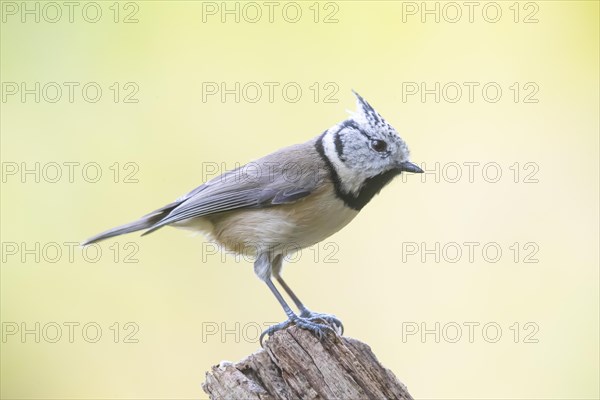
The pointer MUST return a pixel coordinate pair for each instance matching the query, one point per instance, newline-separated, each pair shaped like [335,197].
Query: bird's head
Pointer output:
[366,151]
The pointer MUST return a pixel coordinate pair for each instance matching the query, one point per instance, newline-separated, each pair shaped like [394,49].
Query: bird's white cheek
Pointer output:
[351,179]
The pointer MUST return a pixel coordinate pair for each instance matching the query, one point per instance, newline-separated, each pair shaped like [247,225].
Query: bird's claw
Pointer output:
[327,318]
[319,330]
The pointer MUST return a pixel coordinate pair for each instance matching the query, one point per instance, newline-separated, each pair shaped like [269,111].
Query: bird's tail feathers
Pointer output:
[145,222]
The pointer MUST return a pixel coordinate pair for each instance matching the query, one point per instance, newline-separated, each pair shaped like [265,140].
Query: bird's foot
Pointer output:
[319,330]
[328,318]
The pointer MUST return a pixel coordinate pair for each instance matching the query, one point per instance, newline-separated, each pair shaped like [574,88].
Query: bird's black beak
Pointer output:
[410,167]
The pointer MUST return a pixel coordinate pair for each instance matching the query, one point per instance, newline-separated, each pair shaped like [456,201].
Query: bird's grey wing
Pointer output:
[244,188]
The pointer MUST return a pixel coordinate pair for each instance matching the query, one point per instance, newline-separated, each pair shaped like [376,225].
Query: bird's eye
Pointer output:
[378,145]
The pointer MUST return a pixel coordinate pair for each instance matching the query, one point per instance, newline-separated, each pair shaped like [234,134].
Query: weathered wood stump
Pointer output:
[295,365]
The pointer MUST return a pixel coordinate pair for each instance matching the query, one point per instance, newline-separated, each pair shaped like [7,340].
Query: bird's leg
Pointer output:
[319,330]
[306,313]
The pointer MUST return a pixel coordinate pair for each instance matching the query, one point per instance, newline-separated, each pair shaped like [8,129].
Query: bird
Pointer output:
[288,200]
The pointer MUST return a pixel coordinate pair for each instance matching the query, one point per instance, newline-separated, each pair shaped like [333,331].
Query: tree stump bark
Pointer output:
[294,364]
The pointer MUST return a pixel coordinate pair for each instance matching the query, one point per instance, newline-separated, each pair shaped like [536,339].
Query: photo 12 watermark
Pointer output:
[69,252]
[453,12]
[252,12]
[469,332]
[476,172]
[269,92]
[490,252]
[293,252]
[470,92]
[70,332]
[69,172]
[70,92]
[52,12]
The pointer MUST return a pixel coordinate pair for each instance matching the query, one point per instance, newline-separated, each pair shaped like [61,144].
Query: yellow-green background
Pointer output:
[171,293]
